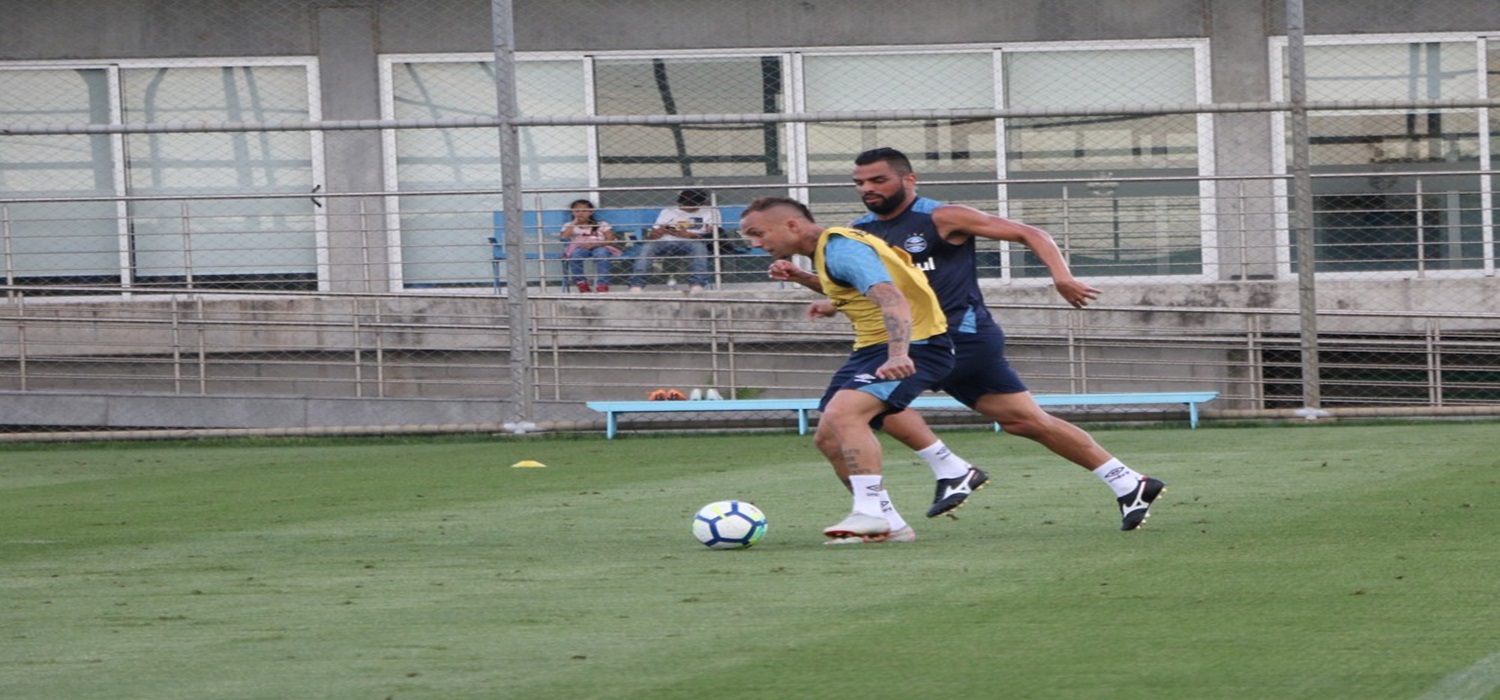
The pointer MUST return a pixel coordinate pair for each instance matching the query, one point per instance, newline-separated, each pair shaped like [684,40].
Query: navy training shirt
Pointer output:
[952,270]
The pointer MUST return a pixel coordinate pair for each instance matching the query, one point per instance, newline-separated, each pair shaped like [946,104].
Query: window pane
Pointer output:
[443,237]
[1493,60]
[1394,72]
[899,81]
[438,159]
[1363,231]
[1414,71]
[1092,78]
[692,154]
[1107,226]
[1383,216]
[1108,143]
[942,149]
[71,242]
[246,243]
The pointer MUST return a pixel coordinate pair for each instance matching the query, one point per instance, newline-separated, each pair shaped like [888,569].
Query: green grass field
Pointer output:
[1341,561]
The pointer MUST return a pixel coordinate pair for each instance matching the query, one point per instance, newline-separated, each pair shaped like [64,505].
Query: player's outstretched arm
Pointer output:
[955,221]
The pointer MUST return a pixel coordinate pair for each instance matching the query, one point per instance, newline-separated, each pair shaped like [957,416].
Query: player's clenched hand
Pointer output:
[821,308]
[788,271]
[782,270]
[897,368]
[1075,292]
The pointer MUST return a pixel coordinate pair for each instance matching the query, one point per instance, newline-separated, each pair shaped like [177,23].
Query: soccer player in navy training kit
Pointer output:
[940,240]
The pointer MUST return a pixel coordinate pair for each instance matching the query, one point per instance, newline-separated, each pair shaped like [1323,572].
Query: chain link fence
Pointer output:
[350,210]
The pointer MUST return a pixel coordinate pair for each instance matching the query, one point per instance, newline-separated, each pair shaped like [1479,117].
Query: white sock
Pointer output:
[867,494]
[945,464]
[1118,477]
[889,511]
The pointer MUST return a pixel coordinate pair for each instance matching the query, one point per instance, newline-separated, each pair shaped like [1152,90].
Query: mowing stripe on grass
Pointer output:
[1473,683]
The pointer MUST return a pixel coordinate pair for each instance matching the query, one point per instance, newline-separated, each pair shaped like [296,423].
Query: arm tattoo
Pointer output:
[895,312]
[897,328]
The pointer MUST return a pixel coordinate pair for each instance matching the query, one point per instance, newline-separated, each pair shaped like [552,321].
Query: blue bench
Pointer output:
[613,409]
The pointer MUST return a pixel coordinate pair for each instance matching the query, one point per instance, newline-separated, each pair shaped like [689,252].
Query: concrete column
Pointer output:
[1242,143]
[347,38]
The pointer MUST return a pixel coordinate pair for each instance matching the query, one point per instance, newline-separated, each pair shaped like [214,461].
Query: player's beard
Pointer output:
[887,205]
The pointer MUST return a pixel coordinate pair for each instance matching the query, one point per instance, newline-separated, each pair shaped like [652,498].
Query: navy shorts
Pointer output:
[933,360]
[980,367]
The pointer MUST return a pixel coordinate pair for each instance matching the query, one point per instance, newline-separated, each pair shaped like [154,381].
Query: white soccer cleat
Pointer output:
[860,525]
[905,534]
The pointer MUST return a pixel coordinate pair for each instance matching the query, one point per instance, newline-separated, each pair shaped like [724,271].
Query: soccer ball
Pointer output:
[729,525]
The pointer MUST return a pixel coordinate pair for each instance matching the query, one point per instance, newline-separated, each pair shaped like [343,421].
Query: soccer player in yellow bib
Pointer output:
[901,349]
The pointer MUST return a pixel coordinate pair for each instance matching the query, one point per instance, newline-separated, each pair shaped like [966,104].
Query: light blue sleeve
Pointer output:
[854,263]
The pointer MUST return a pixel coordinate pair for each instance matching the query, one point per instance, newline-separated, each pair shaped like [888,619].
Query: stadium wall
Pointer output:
[459,334]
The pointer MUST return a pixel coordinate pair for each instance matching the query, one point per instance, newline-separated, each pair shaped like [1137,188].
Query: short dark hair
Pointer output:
[896,159]
[760,204]
[692,198]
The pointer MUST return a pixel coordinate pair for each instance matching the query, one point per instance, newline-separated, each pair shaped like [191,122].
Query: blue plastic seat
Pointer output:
[541,231]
